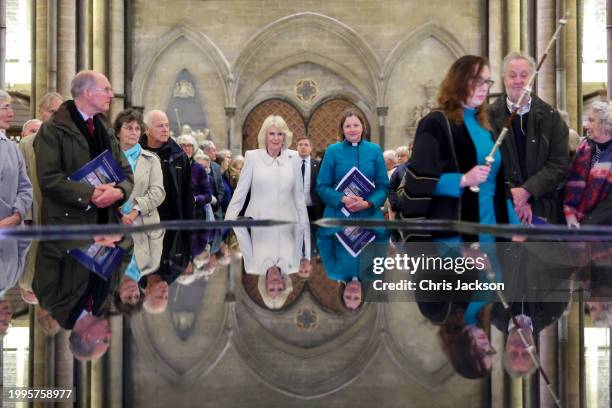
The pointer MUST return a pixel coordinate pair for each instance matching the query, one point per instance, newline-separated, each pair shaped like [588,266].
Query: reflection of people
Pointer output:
[272,175]
[443,165]
[352,151]
[148,193]
[273,253]
[352,272]
[6,314]
[75,297]
[535,151]
[74,135]
[587,198]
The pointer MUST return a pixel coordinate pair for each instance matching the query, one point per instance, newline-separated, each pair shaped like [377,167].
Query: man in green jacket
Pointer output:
[536,149]
[74,135]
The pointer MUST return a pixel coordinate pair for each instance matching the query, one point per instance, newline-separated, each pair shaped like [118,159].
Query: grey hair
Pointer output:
[206,144]
[25,125]
[402,150]
[82,81]
[4,96]
[47,98]
[514,55]
[147,117]
[390,155]
[201,156]
[603,113]
[604,317]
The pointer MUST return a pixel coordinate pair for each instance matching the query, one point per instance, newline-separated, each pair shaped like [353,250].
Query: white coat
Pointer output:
[275,185]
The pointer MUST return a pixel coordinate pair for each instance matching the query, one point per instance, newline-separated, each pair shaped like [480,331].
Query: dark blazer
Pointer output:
[63,286]
[547,154]
[316,210]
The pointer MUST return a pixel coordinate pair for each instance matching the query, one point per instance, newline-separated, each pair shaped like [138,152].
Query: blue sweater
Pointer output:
[338,160]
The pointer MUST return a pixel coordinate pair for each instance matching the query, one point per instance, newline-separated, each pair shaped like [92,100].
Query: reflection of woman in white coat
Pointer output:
[272,174]
[273,253]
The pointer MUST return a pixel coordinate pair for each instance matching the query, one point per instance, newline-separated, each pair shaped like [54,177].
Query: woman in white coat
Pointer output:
[273,177]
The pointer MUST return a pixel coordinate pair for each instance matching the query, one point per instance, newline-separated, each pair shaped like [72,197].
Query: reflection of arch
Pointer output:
[152,55]
[323,123]
[308,19]
[415,37]
[257,115]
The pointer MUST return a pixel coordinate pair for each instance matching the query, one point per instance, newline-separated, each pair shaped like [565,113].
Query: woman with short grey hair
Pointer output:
[587,191]
[16,189]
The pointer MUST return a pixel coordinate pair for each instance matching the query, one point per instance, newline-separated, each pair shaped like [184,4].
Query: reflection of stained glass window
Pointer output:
[594,51]
[597,366]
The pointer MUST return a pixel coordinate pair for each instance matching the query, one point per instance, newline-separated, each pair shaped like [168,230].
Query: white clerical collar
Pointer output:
[523,110]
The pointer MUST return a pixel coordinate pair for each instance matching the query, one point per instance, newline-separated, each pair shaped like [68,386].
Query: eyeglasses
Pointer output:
[478,82]
[131,128]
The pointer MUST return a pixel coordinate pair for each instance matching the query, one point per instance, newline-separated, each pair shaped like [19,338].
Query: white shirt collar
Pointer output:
[520,318]
[525,109]
[280,159]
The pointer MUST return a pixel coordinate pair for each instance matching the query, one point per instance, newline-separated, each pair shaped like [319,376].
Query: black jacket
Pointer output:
[547,155]
[178,204]
[436,153]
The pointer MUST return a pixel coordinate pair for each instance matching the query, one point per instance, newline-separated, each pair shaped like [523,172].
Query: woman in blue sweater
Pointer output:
[340,158]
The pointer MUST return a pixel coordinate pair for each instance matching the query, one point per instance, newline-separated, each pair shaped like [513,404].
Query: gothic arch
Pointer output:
[413,38]
[195,37]
[367,91]
[289,23]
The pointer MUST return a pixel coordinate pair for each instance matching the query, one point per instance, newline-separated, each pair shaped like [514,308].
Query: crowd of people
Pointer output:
[533,179]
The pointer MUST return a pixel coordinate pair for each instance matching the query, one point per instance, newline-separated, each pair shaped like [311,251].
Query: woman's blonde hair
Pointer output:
[278,301]
[281,125]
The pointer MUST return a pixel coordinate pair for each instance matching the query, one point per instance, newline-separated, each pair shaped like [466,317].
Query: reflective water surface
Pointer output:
[340,314]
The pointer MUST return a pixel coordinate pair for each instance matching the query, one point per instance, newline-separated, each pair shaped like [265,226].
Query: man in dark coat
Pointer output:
[310,171]
[75,134]
[176,169]
[536,149]
[209,149]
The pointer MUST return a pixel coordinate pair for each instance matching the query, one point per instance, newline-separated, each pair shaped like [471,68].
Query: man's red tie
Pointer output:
[90,126]
[89,304]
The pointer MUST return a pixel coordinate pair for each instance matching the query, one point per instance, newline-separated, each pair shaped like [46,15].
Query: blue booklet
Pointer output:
[103,169]
[355,239]
[99,259]
[354,183]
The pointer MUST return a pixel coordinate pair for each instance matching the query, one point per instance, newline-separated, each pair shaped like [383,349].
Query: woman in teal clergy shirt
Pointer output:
[352,151]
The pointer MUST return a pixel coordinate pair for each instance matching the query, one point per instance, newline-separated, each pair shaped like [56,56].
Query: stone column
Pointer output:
[100,24]
[82,35]
[609,32]
[117,62]
[98,382]
[573,356]
[572,60]
[66,46]
[528,31]
[115,360]
[381,112]
[560,74]
[2,42]
[496,47]
[64,365]
[546,23]
[498,390]
[513,25]
[51,45]
[38,350]
[40,50]
[548,359]
[230,124]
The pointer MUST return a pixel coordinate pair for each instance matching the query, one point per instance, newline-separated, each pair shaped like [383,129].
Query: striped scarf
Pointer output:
[589,179]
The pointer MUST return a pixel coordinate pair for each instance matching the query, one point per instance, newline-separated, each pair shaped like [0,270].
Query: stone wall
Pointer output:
[376,54]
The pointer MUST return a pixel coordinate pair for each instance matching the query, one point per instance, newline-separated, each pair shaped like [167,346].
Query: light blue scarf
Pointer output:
[132,154]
